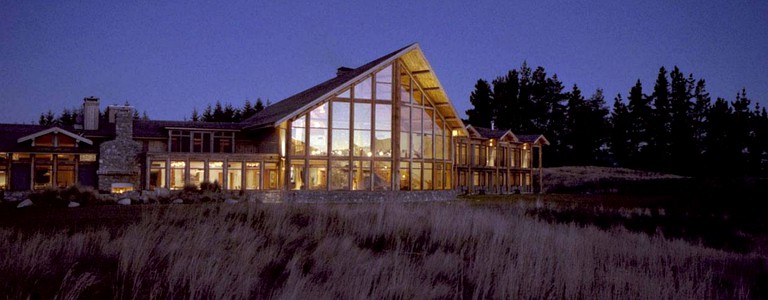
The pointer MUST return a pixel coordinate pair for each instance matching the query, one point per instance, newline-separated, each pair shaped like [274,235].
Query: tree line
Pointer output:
[72,116]
[227,112]
[674,127]
[215,113]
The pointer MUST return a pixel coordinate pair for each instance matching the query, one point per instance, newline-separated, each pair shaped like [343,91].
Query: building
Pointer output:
[498,161]
[368,132]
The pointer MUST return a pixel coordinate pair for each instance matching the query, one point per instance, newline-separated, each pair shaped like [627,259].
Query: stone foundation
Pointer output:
[350,196]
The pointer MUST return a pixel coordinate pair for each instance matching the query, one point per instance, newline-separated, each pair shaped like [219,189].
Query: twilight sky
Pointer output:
[166,57]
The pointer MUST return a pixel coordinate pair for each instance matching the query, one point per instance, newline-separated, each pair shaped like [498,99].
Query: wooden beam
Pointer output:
[419,72]
[430,88]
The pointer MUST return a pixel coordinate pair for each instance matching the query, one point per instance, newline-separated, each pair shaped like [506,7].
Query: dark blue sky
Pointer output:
[166,58]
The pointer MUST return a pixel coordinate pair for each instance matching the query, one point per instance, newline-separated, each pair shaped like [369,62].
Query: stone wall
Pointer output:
[350,196]
[118,158]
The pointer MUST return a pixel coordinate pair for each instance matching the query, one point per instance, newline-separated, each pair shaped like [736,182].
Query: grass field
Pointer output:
[477,247]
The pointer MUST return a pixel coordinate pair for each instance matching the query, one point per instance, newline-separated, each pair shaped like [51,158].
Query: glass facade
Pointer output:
[356,138]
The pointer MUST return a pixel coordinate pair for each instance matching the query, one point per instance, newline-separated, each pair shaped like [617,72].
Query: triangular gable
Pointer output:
[534,139]
[412,58]
[55,130]
[473,133]
[541,140]
[510,136]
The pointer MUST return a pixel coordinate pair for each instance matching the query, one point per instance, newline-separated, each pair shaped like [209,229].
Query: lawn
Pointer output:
[523,246]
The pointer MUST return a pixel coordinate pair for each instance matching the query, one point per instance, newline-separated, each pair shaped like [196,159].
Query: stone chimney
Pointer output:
[91,113]
[493,125]
[342,70]
[118,162]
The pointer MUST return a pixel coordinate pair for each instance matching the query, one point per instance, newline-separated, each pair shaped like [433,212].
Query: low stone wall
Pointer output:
[349,196]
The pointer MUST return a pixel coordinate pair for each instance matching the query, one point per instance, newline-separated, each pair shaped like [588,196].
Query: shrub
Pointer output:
[48,197]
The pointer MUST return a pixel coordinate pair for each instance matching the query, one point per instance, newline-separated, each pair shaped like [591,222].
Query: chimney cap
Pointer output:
[91,98]
[343,70]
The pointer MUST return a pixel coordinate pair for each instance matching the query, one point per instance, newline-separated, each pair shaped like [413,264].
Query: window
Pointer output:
[270,176]
[384,84]
[438,176]
[362,130]
[180,141]
[318,131]
[427,175]
[339,175]
[405,131]
[223,142]
[363,89]
[201,142]
[196,172]
[405,177]
[252,175]
[3,171]
[216,172]
[318,174]
[416,176]
[234,175]
[361,175]
[382,175]
[340,131]
[65,175]
[177,174]
[298,138]
[157,174]
[297,175]
[383,145]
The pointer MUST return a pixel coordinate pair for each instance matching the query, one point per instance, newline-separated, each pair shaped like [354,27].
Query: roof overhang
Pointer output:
[54,130]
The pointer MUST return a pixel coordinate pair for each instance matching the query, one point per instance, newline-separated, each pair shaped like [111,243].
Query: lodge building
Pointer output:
[380,129]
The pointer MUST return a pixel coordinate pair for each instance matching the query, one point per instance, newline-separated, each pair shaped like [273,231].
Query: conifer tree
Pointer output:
[259,105]
[620,125]
[482,112]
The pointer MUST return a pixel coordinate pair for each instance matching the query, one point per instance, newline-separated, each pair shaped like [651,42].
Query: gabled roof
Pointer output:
[488,133]
[410,55]
[55,130]
[159,128]
[533,139]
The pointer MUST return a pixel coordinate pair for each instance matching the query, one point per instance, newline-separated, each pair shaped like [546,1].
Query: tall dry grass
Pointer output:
[402,251]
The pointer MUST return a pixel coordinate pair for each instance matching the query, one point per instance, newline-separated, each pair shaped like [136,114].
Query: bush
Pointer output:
[48,197]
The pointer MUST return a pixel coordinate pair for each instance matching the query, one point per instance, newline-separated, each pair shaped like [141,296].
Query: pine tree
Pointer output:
[660,126]
[620,126]
[259,106]
[145,116]
[682,144]
[230,114]
[482,112]
[718,138]
[208,114]
[195,115]
[247,110]
[641,114]
[218,112]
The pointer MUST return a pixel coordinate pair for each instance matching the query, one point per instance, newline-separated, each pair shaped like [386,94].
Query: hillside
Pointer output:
[590,177]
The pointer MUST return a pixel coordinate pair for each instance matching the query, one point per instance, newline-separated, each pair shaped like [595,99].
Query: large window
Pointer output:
[362,128]
[318,174]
